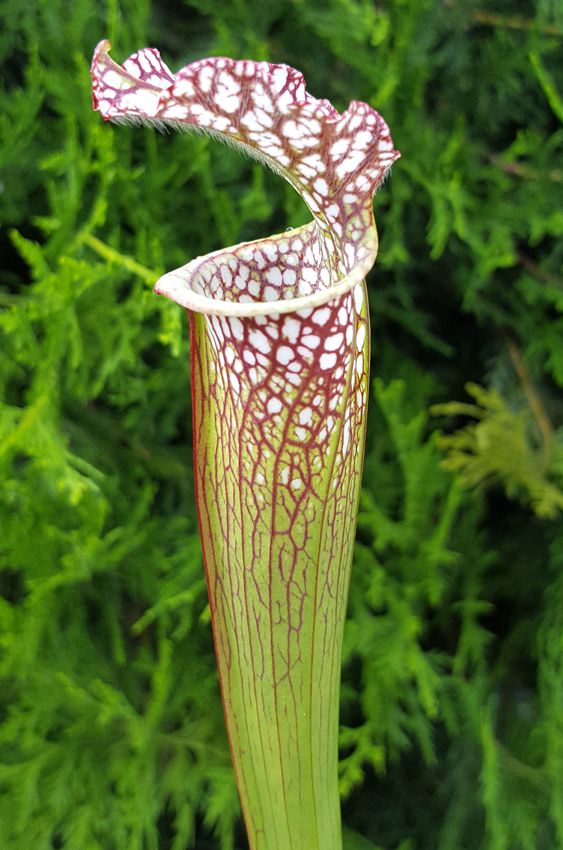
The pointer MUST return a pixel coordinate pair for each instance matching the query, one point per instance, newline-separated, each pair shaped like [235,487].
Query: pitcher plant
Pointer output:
[280,351]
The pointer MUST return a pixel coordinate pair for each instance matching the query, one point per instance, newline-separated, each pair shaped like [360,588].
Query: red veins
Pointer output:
[335,161]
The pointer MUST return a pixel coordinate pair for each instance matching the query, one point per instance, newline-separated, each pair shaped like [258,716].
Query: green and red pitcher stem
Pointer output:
[277,490]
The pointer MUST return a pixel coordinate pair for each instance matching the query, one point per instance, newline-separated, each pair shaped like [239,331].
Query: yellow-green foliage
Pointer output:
[502,447]
[111,730]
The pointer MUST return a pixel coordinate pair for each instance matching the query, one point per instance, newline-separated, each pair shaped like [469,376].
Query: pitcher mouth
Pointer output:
[188,287]
[335,161]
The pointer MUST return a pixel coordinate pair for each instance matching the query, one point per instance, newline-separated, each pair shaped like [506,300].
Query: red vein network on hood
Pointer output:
[335,161]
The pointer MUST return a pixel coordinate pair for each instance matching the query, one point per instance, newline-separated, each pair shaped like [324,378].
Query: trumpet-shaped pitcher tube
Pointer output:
[279,358]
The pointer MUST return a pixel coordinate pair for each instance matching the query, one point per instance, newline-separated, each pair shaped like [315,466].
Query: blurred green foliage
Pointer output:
[111,730]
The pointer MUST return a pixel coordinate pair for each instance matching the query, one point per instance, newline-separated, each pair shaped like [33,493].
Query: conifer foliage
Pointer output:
[111,730]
